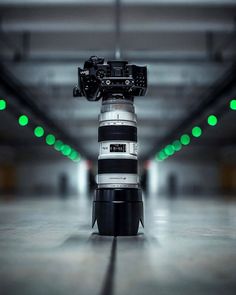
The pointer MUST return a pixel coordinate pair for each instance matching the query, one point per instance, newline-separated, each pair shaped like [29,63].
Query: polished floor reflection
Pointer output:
[188,246]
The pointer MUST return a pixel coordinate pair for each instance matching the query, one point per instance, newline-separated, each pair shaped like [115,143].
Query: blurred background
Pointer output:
[189,48]
[187,126]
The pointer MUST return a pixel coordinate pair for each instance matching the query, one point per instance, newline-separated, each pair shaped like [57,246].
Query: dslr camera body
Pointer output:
[98,80]
[117,204]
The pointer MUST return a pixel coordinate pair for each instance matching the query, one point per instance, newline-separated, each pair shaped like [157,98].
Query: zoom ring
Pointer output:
[127,133]
[129,166]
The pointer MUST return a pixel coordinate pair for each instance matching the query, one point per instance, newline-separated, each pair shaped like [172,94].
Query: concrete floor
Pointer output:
[48,247]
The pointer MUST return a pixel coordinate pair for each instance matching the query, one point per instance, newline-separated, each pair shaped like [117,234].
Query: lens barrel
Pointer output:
[116,132]
[117,205]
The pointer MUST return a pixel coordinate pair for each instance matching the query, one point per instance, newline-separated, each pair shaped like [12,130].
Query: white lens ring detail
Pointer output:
[131,150]
[118,116]
[117,178]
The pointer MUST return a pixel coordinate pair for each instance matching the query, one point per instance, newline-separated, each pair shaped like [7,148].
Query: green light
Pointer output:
[3,105]
[157,157]
[58,145]
[78,158]
[73,155]
[23,120]
[233,104]
[169,150]
[177,145]
[39,131]
[196,131]
[50,139]
[66,150]
[185,139]
[212,120]
[163,155]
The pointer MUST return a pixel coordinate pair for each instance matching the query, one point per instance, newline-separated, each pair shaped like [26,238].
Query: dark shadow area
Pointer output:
[80,239]
[172,185]
[76,240]
[140,242]
[63,186]
[96,240]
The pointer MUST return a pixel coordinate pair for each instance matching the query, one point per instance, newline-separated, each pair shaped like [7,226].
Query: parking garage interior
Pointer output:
[186,147]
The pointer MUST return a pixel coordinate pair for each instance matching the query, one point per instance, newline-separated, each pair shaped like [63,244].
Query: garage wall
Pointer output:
[188,177]
[46,177]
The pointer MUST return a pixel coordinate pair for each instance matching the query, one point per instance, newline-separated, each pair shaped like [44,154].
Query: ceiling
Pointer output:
[187,46]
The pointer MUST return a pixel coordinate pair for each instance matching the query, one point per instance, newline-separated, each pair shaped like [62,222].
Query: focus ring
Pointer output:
[106,133]
[118,166]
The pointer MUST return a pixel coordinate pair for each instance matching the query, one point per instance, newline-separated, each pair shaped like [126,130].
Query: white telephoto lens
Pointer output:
[118,149]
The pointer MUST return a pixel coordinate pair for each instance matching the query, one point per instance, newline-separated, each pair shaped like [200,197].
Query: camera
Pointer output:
[117,204]
[98,80]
